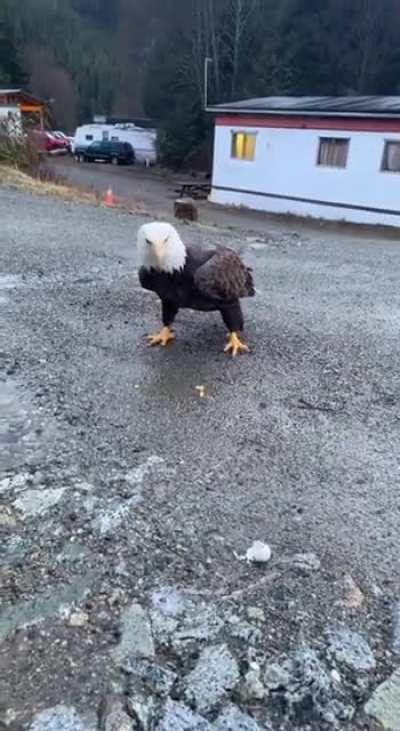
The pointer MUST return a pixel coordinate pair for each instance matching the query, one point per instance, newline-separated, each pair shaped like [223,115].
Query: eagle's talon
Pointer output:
[162,338]
[235,345]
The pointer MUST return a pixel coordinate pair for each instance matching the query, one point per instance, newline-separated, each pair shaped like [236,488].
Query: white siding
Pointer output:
[285,165]
[5,111]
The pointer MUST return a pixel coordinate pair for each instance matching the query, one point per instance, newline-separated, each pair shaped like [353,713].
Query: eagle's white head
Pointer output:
[160,247]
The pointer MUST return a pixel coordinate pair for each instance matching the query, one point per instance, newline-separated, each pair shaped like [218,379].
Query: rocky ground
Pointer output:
[129,496]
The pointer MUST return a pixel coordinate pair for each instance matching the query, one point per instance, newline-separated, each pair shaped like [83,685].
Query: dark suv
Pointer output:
[118,153]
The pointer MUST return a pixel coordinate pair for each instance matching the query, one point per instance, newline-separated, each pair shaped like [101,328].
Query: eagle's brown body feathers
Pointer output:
[209,280]
[205,281]
[225,277]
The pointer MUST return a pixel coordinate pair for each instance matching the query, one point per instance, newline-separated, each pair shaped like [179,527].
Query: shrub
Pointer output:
[17,149]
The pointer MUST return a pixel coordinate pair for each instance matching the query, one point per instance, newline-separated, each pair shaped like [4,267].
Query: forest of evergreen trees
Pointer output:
[132,58]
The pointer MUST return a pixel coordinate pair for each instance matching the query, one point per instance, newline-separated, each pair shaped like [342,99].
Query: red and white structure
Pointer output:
[334,158]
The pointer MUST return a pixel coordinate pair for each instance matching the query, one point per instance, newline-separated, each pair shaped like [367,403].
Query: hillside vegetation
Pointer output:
[129,58]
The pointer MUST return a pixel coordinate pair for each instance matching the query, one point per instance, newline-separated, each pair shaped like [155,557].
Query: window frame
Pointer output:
[389,141]
[234,133]
[325,138]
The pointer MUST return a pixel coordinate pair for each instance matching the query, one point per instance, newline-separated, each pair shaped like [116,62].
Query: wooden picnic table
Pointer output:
[193,189]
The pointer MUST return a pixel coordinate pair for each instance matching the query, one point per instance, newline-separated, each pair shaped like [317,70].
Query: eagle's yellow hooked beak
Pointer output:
[159,249]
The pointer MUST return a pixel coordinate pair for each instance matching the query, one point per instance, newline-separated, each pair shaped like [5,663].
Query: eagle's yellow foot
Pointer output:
[164,337]
[235,345]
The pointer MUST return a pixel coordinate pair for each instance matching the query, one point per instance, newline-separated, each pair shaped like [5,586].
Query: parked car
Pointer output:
[118,153]
[142,140]
[46,142]
[62,136]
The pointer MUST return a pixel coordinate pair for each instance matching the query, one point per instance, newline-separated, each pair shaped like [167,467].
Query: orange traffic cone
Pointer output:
[109,198]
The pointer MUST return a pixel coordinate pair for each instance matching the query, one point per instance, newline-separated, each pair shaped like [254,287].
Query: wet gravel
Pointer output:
[118,479]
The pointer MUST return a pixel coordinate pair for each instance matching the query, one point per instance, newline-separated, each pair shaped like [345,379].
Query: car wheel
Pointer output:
[81,158]
[114,161]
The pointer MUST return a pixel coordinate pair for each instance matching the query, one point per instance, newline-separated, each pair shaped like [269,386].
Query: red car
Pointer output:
[46,142]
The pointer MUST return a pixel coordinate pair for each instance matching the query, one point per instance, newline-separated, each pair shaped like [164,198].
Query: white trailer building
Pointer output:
[335,158]
[142,140]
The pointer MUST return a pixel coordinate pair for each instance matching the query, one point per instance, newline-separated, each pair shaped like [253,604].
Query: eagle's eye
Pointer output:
[148,242]
[166,239]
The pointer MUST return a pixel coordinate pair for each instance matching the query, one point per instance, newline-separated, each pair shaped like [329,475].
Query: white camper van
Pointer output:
[142,140]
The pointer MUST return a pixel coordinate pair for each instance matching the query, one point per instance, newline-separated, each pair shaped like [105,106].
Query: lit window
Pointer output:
[333,152]
[243,146]
[391,157]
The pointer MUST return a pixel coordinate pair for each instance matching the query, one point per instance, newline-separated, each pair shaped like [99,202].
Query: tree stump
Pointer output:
[186,210]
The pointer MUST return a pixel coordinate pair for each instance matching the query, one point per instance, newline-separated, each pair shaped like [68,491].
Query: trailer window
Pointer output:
[89,138]
[391,157]
[333,152]
[114,139]
[243,145]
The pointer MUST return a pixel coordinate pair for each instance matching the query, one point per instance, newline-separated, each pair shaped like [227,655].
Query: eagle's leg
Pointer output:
[166,334]
[233,318]
[235,345]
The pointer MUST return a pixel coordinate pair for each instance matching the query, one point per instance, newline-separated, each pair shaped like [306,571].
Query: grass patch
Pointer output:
[13,178]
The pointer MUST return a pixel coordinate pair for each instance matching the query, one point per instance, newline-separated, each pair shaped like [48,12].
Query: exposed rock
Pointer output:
[306,562]
[232,719]
[83,486]
[137,475]
[169,601]
[16,482]
[243,630]
[168,605]
[177,717]
[143,709]
[256,614]
[163,626]
[215,674]
[5,484]
[354,597]
[78,619]
[252,687]
[7,516]
[199,623]
[396,628]
[137,640]
[306,690]
[114,717]
[277,677]
[37,610]
[384,705]
[258,552]
[7,717]
[114,515]
[155,678]
[37,502]
[350,649]
[59,718]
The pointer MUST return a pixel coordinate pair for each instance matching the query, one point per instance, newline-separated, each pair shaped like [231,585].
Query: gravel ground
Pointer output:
[127,500]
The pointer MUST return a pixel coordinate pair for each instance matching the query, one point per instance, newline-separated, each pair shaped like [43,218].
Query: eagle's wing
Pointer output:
[224,277]
[145,278]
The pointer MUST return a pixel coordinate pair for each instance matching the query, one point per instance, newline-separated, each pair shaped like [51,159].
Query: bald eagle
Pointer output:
[191,277]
